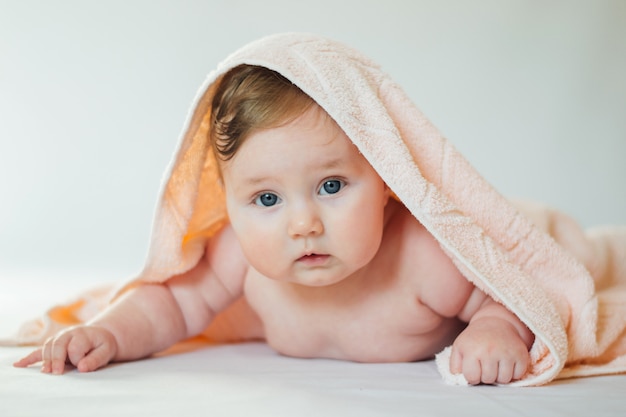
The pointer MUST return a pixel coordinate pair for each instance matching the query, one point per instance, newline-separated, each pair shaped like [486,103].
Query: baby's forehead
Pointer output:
[314,127]
[313,141]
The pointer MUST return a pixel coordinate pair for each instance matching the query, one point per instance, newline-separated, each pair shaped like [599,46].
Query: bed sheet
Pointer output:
[251,379]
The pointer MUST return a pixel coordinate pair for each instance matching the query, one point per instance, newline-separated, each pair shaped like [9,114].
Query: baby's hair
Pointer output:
[249,98]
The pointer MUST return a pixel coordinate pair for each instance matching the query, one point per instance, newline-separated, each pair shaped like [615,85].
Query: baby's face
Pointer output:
[305,204]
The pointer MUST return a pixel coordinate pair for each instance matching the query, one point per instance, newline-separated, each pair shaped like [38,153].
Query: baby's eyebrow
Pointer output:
[333,163]
[252,181]
[329,164]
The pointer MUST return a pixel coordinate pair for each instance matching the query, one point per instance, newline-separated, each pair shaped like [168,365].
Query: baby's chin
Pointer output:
[315,278]
[317,282]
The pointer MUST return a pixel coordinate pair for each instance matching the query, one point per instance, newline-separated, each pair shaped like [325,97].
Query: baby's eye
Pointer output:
[331,187]
[266,199]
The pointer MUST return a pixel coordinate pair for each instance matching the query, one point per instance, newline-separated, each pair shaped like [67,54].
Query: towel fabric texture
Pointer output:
[567,285]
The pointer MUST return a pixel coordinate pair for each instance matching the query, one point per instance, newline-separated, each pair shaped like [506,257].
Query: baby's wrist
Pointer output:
[497,312]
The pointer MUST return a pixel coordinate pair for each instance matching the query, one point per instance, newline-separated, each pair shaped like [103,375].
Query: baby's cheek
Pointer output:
[364,239]
[261,251]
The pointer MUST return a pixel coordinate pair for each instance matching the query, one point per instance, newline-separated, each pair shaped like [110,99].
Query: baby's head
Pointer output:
[250,98]
[305,205]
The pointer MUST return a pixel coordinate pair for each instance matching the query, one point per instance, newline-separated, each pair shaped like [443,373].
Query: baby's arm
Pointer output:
[494,346]
[143,321]
[150,317]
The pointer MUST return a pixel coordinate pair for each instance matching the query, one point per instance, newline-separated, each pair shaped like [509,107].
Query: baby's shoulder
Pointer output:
[225,256]
[407,244]
[421,261]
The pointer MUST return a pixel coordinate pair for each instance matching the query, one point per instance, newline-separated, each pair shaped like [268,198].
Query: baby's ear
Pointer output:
[388,192]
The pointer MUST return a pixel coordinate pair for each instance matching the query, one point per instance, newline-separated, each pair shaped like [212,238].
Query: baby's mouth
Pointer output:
[313,258]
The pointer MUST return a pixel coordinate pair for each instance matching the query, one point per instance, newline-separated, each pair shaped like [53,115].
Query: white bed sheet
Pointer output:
[251,379]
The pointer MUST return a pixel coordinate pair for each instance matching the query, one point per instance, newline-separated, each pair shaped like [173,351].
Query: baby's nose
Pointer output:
[305,222]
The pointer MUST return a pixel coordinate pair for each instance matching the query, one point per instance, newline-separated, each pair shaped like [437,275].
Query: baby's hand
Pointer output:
[86,347]
[488,351]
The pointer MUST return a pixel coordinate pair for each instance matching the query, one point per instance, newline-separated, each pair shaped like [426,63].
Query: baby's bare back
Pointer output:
[400,307]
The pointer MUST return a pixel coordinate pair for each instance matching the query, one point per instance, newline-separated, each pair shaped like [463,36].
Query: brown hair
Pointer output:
[248,98]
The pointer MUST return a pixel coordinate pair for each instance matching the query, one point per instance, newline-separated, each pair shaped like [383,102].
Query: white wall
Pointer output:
[93,95]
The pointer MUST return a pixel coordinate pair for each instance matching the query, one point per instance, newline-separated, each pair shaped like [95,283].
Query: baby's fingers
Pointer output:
[78,348]
[88,348]
[55,355]
[31,358]
[469,366]
[521,367]
[456,362]
[97,358]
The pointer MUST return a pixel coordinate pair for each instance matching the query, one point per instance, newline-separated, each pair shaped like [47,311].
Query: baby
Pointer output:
[320,259]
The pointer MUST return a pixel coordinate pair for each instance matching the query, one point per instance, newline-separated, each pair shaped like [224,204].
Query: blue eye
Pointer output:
[266,200]
[331,187]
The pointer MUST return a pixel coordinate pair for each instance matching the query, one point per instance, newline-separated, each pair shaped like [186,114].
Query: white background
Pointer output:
[93,95]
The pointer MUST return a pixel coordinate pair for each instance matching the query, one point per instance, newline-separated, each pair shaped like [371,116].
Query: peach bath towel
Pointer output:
[566,285]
